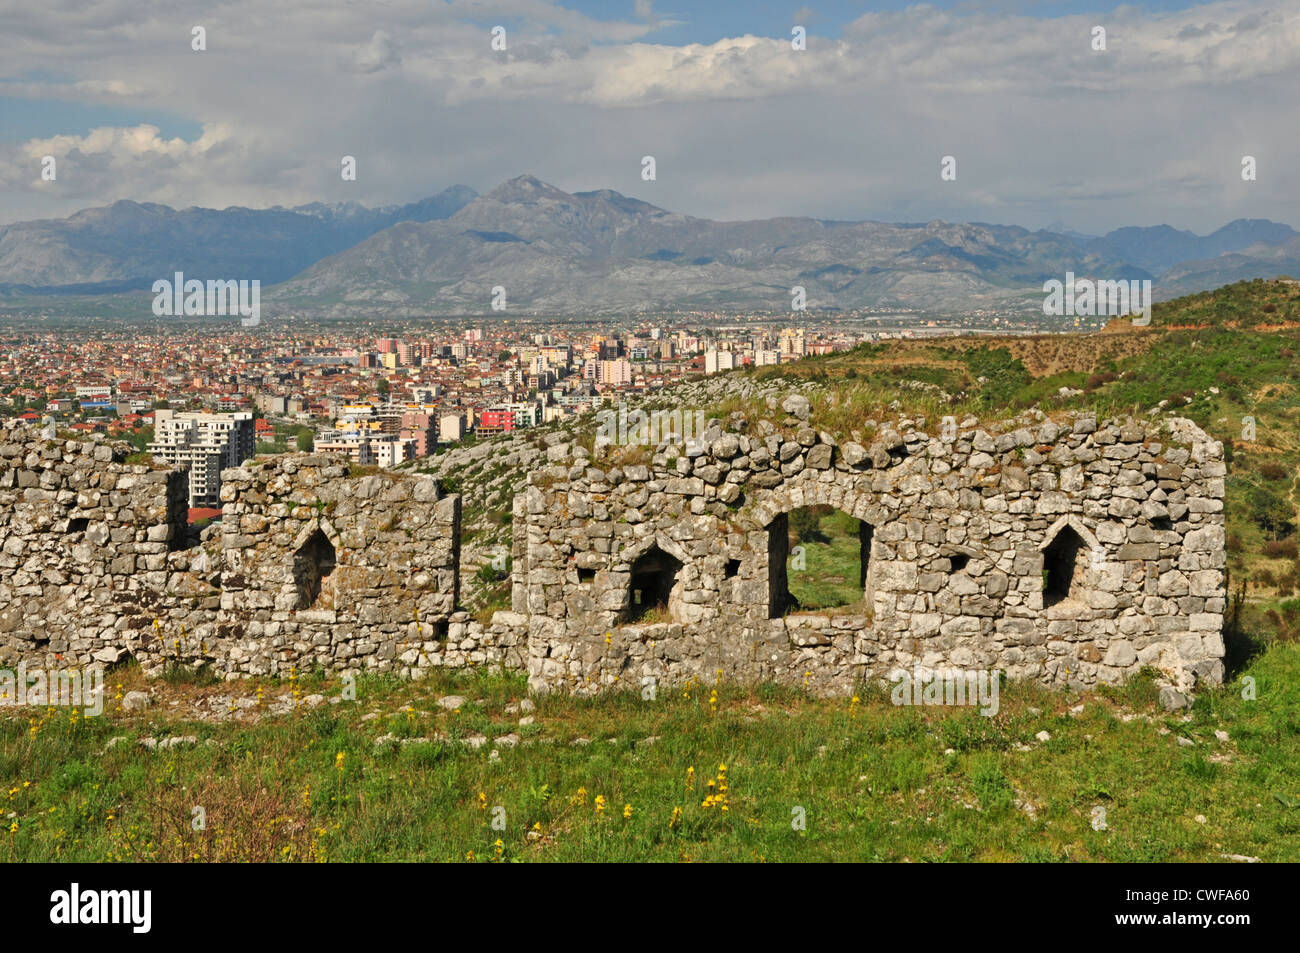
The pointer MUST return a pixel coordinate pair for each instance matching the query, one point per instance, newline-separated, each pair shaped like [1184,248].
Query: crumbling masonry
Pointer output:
[1069,553]
[1066,552]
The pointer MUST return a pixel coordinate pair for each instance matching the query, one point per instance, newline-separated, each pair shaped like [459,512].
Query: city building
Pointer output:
[715,361]
[451,427]
[205,444]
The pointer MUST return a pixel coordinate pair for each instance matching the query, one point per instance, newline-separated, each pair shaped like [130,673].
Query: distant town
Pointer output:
[207,396]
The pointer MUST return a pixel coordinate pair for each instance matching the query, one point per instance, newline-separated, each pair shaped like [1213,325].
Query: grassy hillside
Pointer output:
[396,776]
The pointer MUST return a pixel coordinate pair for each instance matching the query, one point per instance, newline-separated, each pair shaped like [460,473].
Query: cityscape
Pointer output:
[211,398]
[621,432]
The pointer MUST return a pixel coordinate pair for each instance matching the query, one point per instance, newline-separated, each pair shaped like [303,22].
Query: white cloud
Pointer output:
[379,54]
[1043,127]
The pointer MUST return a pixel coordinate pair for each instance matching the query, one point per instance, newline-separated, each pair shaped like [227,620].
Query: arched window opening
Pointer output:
[313,566]
[650,588]
[1065,568]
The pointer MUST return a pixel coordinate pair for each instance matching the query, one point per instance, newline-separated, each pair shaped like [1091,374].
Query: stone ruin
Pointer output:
[1062,551]
[1069,553]
[308,567]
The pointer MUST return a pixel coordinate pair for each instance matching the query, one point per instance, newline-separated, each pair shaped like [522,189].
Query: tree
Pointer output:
[1270,511]
[305,439]
[806,525]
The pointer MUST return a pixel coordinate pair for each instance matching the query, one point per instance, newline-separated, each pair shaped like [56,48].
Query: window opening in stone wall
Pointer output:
[819,557]
[1065,568]
[650,588]
[313,566]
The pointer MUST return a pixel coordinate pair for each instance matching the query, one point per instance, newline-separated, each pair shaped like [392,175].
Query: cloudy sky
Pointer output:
[1044,128]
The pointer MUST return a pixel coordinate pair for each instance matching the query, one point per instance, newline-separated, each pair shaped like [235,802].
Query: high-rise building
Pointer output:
[616,373]
[792,342]
[205,444]
[715,361]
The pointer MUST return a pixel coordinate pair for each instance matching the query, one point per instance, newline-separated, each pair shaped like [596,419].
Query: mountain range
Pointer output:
[128,245]
[590,252]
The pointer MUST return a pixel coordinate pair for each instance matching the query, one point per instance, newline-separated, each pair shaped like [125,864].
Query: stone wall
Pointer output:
[1066,552]
[1058,550]
[307,567]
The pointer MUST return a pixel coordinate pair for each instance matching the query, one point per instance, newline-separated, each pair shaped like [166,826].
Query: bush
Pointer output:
[1269,511]
[1281,548]
[1273,471]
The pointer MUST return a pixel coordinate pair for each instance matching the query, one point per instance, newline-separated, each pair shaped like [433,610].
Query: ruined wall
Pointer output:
[84,541]
[310,566]
[958,530]
[307,566]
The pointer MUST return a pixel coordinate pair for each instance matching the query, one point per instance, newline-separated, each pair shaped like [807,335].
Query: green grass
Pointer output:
[832,554]
[874,780]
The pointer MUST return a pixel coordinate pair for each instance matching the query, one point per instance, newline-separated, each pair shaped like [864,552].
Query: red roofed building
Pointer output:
[203,513]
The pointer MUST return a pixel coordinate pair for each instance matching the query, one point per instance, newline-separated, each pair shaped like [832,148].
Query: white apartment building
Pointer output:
[389,453]
[715,361]
[354,445]
[205,444]
[451,427]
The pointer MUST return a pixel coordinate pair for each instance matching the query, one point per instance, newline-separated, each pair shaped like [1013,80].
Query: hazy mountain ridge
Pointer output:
[129,245]
[1160,248]
[601,251]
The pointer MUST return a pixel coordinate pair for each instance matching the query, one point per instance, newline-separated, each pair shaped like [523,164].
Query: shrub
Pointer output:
[1281,548]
